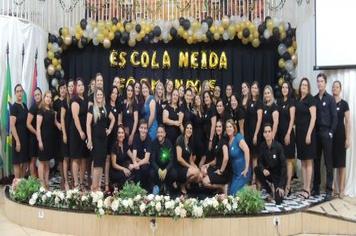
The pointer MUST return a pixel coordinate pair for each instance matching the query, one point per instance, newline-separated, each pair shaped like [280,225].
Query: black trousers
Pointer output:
[274,179]
[324,146]
[168,181]
[142,176]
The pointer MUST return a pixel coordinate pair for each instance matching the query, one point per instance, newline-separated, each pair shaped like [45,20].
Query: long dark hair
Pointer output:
[300,86]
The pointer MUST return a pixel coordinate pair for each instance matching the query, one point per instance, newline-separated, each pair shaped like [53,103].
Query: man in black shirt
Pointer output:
[271,167]
[141,151]
[162,157]
[326,121]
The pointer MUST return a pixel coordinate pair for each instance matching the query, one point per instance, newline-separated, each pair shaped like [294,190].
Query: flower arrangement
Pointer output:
[145,205]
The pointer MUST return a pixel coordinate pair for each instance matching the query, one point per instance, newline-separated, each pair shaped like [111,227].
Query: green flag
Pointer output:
[5,120]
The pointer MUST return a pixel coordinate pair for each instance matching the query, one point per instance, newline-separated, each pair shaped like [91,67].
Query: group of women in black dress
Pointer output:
[166,138]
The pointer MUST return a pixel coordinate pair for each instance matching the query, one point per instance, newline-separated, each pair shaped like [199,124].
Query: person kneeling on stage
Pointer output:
[120,160]
[141,151]
[187,171]
[217,172]
[162,172]
[271,167]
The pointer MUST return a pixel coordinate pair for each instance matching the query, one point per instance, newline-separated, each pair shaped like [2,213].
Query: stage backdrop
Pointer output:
[233,62]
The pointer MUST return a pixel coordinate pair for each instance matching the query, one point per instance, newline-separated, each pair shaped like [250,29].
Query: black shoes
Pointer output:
[315,192]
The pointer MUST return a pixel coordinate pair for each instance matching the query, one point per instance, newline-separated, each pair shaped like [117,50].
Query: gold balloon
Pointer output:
[244,41]
[225,22]
[213,60]
[204,60]
[132,43]
[213,29]
[166,60]
[238,27]
[281,63]
[221,30]
[283,35]
[122,59]
[294,45]
[50,54]
[111,35]
[269,24]
[129,27]
[240,35]
[255,34]
[49,46]
[223,61]
[50,70]
[107,43]
[180,30]
[231,30]
[190,40]
[280,81]
[216,36]
[250,37]
[113,28]
[295,59]
[67,40]
[185,35]
[54,61]
[100,37]
[113,58]
[290,50]
[65,31]
[59,67]
[145,59]
[281,29]
[256,43]
[194,60]
[133,60]
[183,59]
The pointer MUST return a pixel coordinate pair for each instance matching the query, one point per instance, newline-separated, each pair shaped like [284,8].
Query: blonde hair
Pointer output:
[96,112]
[231,122]
[42,104]
[159,83]
[272,94]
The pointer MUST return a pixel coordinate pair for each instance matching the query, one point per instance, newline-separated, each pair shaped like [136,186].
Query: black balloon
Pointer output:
[288,41]
[173,32]
[209,20]
[84,41]
[261,29]
[209,35]
[157,31]
[181,20]
[57,55]
[275,32]
[286,56]
[117,35]
[115,20]
[83,24]
[74,40]
[150,35]
[246,33]
[146,39]
[287,77]
[138,28]
[52,38]
[186,24]
[268,18]
[47,61]
[60,41]
[125,36]
[60,31]
[290,32]
[58,74]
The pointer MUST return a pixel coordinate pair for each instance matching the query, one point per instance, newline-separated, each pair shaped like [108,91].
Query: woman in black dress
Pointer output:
[45,127]
[187,171]
[305,117]
[270,110]
[286,108]
[66,118]
[221,113]
[227,97]
[121,156]
[173,118]
[31,126]
[98,131]
[181,93]
[199,146]
[57,107]
[77,135]
[237,114]
[114,107]
[253,118]
[217,172]
[341,140]
[138,98]
[187,106]
[19,132]
[169,90]
[130,114]
[209,121]
[217,94]
[161,101]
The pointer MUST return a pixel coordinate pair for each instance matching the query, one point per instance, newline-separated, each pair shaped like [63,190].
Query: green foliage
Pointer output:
[250,201]
[25,188]
[131,190]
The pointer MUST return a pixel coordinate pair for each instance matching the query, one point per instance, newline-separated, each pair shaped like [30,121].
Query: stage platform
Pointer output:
[333,217]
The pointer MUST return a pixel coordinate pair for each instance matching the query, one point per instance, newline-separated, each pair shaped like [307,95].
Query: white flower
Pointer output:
[182,213]
[137,198]
[42,190]
[84,198]
[130,202]
[35,196]
[125,203]
[101,211]
[234,206]
[169,204]
[158,207]
[158,198]
[150,197]
[167,198]
[228,207]
[49,194]
[115,205]
[44,198]
[100,203]
[56,200]
[107,202]
[225,201]
[177,210]
[215,203]
[142,207]
[197,211]
[32,201]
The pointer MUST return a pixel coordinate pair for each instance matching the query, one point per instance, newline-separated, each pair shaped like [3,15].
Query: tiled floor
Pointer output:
[7,228]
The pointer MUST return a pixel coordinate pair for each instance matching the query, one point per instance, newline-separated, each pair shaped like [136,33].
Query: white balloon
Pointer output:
[190,32]
[293,73]
[282,49]
[88,28]
[95,42]
[62,73]
[176,24]
[257,21]
[95,31]
[266,34]
[225,35]
[204,27]
[54,83]
[289,65]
